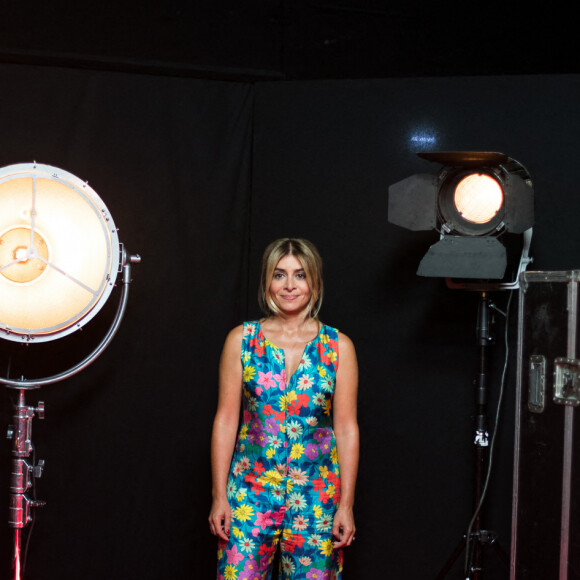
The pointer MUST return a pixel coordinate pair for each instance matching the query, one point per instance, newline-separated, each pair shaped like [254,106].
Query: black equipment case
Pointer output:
[545,543]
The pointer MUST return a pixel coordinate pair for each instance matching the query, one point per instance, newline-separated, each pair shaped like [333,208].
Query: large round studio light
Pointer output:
[59,259]
[59,253]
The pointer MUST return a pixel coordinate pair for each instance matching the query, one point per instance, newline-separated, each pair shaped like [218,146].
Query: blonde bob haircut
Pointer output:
[307,254]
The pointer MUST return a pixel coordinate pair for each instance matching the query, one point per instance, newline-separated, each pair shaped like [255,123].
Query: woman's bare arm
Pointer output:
[347,439]
[224,432]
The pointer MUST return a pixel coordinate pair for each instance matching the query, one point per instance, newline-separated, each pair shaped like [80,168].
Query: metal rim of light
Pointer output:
[57,281]
[459,210]
[23,383]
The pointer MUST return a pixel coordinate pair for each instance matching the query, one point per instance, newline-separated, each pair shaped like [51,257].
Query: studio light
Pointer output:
[59,253]
[482,206]
[478,202]
[60,258]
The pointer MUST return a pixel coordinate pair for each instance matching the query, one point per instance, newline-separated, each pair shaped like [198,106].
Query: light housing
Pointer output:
[59,253]
[477,202]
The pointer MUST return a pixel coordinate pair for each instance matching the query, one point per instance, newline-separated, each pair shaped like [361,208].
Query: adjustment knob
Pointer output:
[38,468]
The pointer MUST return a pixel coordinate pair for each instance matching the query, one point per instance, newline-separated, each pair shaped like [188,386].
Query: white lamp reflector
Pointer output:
[59,253]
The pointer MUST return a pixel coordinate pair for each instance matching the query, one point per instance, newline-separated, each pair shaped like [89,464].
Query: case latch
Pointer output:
[567,381]
[537,384]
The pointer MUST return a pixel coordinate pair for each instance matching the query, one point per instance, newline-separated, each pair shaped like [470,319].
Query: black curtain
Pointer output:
[199,176]
[126,442]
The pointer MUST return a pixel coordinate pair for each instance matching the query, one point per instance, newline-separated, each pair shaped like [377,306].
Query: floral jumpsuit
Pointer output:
[284,483]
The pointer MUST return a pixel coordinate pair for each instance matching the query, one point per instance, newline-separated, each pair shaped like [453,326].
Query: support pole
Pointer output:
[475,539]
[21,479]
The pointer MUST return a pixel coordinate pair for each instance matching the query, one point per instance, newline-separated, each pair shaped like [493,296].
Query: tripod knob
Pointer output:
[40,410]
[38,468]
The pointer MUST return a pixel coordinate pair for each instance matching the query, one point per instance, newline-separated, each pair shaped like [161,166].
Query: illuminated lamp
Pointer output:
[59,253]
[477,202]
[60,257]
[482,206]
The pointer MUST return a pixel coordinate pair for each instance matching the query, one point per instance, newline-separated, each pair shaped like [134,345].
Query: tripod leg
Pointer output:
[501,553]
[447,566]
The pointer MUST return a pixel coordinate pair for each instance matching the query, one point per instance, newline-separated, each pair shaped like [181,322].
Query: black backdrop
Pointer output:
[199,176]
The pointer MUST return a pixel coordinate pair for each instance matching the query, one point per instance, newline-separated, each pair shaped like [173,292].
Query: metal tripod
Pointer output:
[23,473]
[475,539]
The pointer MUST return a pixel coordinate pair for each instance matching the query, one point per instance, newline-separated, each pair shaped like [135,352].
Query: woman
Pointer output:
[289,479]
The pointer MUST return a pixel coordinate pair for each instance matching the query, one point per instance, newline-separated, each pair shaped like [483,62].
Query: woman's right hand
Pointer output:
[220,517]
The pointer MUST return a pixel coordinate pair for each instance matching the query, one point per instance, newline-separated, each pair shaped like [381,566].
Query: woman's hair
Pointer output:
[307,254]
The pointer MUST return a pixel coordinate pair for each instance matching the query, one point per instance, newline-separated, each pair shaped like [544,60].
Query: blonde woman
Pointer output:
[285,480]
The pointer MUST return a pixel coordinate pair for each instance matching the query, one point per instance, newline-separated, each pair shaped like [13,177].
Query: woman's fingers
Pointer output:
[219,521]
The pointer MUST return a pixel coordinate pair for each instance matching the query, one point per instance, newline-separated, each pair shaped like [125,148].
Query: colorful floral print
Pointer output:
[284,483]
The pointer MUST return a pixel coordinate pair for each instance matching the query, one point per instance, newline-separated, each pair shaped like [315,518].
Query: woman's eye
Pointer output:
[302,276]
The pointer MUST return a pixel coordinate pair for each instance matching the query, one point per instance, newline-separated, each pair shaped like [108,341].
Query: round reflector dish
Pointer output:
[59,253]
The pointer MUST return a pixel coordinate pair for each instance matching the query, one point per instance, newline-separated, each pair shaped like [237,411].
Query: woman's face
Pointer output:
[289,287]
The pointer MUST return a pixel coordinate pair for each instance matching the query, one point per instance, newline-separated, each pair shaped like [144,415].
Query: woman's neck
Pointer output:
[292,325]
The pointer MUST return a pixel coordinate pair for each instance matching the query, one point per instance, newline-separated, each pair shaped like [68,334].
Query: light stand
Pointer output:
[482,206]
[20,432]
[475,538]
[22,473]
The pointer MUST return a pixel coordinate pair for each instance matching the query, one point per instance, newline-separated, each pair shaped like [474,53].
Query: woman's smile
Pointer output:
[289,287]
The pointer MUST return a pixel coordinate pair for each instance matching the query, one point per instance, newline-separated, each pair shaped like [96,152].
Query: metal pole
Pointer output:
[481,436]
[16,560]
[475,537]
[21,479]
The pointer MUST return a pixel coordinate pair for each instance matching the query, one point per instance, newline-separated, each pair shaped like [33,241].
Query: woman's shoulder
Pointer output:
[244,330]
[234,337]
[343,340]
[250,327]
[329,330]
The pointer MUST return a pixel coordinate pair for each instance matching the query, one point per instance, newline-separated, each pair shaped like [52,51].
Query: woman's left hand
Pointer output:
[343,528]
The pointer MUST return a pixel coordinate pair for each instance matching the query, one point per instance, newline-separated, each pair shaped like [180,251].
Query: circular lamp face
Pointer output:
[472,204]
[478,198]
[59,253]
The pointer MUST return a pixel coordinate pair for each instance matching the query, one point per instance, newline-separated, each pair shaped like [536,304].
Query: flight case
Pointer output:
[545,543]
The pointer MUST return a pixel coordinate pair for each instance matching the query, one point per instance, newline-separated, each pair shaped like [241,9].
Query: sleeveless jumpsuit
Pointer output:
[284,482]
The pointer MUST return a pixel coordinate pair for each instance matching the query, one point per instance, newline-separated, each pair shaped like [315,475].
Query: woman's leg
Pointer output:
[309,555]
